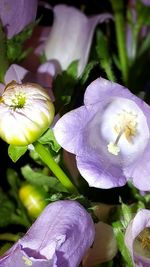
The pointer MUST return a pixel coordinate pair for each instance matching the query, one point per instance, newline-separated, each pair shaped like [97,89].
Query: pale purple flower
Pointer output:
[110,136]
[71,36]
[137,240]
[58,238]
[17,14]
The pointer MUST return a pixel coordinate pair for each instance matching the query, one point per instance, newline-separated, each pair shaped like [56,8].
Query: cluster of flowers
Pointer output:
[109,134]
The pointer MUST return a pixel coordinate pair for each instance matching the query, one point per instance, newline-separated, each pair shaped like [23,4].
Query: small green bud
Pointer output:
[33,198]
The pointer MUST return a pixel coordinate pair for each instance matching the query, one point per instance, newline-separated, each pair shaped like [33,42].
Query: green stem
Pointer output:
[3,55]
[120,35]
[54,167]
[9,237]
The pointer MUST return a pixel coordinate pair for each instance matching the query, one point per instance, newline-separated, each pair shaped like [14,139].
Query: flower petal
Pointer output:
[68,129]
[63,41]
[15,73]
[17,14]
[57,238]
[104,247]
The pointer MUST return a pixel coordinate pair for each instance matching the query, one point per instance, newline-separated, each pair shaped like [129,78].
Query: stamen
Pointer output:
[144,238]
[19,100]
[126,124]
[28,262]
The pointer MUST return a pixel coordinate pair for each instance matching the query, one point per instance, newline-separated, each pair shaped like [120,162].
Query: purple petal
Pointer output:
[68,130]
[100,173]
[47,71]
[71,29]
[16,73]
[17,14]
[146,2]
[57,238]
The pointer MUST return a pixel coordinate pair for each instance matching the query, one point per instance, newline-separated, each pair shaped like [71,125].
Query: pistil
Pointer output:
[113,148]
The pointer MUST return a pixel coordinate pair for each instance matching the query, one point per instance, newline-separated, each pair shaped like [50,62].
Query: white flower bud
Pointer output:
[26,111]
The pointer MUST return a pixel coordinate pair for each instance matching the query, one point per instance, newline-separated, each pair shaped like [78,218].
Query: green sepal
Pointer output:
[119,233]
[49,138]
[15,152]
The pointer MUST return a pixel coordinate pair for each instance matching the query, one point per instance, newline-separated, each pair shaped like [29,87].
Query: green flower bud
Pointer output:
[33,198]
[26,111]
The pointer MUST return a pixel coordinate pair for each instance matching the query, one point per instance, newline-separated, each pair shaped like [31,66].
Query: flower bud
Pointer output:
[26,111]
[104,247]
[33,198]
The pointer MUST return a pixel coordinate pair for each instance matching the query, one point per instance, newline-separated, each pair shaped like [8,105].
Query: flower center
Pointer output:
[141,243]
[144,238]
[18,100]
[125,125]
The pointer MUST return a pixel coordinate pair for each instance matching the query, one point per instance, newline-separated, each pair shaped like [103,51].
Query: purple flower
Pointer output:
[58,238]
[109,136]
[137,238]
[17,14]
[71,36]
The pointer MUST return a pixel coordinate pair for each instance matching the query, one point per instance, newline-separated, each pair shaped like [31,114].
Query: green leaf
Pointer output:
[143,14]
[3,54]
[118,230]
[89,67]
[72,70]
[40,179]
[64,86]
[4,248]
[15,52]
[104,56]
[6,210]
[15,152]
[127,214]
[14,182]
[145,46]
[49,138]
